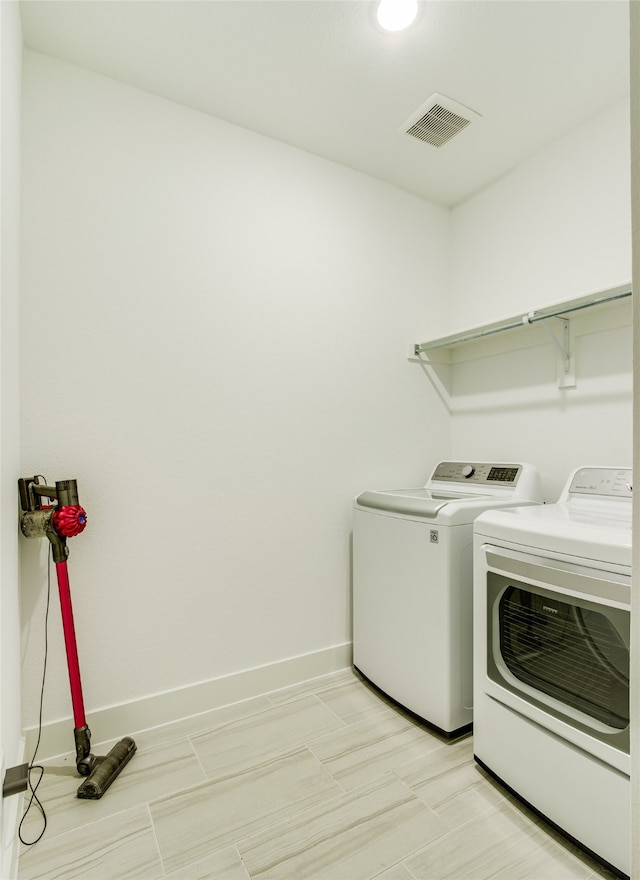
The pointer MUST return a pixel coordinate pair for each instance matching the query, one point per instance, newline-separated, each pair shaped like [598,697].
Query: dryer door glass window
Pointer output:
[568,655]
[568,652]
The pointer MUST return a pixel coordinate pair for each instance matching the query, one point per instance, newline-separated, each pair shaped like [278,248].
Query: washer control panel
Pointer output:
[603,481]
[478,473]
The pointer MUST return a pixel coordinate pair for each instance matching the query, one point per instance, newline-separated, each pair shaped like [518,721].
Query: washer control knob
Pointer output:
[468,471]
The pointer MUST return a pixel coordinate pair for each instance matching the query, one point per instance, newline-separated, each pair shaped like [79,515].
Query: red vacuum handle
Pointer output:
[70,645]
[68,520]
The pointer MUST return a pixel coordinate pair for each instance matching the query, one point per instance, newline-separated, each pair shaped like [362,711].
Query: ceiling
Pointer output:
[322,76]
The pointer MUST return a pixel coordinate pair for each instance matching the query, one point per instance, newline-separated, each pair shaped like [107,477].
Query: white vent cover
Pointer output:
[438,120]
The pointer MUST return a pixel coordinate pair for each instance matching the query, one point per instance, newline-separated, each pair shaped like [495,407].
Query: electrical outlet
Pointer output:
[15,780]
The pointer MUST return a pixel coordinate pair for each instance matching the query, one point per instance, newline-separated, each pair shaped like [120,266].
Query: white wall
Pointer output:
[558,227]
[10,737]
[214,329]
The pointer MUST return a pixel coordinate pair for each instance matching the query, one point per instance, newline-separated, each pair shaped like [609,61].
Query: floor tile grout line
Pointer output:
[95,821]
[390,868]
[155,837]
[408,870]
[333,712]
[265,710]
[422,758]
[241,860]
[324,766]
[446,830]
[200,731]
[217,728]
[197,757]
[311,690]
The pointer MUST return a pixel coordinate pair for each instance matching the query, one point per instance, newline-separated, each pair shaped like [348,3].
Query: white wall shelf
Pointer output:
[552,319]
[523,320]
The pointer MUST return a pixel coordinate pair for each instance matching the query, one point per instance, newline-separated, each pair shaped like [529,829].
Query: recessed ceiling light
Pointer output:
[396,15]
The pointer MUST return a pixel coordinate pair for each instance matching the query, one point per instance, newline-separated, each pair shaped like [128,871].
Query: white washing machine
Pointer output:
[552,598]
[412,584]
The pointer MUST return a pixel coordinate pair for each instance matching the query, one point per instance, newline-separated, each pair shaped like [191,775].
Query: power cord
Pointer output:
[34,799]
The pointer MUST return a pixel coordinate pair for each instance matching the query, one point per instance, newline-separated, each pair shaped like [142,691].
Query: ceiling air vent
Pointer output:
[438,120]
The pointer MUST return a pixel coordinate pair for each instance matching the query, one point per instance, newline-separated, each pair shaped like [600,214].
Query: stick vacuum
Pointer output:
[58,517]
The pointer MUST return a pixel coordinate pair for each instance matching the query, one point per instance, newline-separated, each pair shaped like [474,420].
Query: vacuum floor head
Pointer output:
[107,769]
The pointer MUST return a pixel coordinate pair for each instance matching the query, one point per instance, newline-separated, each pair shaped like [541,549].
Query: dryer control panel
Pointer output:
[603,481]
[478,473]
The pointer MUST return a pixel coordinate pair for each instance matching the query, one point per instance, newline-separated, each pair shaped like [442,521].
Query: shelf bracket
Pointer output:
[566,365]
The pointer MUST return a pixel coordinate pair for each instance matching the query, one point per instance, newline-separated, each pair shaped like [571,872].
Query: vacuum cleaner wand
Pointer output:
[57,521]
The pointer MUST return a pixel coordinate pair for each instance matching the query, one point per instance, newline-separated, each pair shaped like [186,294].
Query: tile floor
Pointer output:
[324,780]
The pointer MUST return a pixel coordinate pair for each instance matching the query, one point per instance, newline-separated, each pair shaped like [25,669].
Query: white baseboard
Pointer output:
[128,718]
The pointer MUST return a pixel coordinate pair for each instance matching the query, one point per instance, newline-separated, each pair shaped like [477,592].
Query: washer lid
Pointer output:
[415,502]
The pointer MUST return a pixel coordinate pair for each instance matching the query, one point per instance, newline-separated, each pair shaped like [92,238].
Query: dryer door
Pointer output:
[566,654]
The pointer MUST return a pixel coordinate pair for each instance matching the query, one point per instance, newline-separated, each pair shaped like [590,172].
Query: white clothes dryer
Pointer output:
[412,584]
[552,589]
